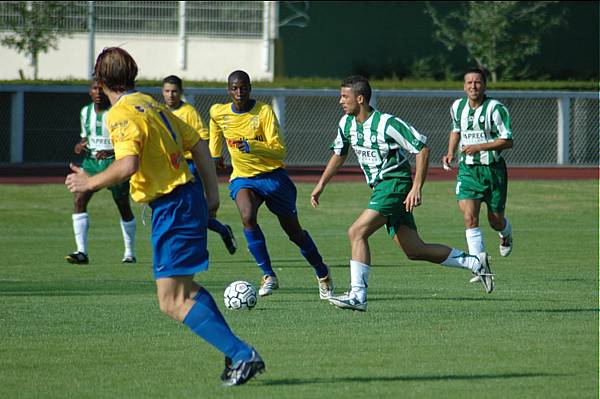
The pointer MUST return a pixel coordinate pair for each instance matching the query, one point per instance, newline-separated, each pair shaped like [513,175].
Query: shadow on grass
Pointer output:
[593,310]
[408,378]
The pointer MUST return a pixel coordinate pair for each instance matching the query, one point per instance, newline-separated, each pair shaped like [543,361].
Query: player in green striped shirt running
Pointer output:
[481,130]
[99,154]
[380,142]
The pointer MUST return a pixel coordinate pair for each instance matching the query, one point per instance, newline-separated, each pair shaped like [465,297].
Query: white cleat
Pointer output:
[326,287]
[485,273]
[348,301]
[268,284]
[506,245]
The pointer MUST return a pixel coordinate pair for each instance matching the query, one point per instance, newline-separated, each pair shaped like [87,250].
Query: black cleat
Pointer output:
[244,371]
[229,240]
[78,258]
[129,259]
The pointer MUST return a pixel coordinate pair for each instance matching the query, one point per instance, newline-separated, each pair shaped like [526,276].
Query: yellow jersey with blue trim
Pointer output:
[142,127]
[187,113]
[259,128]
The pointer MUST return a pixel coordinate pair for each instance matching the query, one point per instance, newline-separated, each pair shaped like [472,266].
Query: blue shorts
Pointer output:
[275,188]
[179,232]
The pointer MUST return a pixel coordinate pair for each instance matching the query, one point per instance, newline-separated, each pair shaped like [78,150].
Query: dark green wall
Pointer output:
[383,39]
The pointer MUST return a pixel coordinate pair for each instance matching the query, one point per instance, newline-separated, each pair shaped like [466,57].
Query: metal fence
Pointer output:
[230,19]
[40,124]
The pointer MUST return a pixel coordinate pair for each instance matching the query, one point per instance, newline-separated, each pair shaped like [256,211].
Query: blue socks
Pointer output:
[309,250]
[206,320]
[217,227]
[258,248]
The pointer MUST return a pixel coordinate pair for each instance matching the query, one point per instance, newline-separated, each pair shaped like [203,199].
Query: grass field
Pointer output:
[96,331]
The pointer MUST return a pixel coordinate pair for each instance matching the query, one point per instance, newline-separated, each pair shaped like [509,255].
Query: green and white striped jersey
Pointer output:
[484,124]
[93,127]
[380,144]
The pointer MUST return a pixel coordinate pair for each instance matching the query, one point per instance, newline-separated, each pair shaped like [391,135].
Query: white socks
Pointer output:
[128,229]
[359,278]
[458,258]
[507,229]
[81,225]
[475,241]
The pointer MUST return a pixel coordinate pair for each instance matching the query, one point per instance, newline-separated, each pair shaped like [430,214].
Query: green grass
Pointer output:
[96,332]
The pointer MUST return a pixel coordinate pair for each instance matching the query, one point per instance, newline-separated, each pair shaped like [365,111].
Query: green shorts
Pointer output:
[488,183]
[94,166]
[388,199]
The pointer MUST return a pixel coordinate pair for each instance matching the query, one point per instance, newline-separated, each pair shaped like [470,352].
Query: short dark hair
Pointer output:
[238,75]
[359,85]
[174,80]
[116,69]
[480,71]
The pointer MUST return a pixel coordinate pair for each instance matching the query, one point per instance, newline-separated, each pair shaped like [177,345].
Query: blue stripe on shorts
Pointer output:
[179,232]
[276,188]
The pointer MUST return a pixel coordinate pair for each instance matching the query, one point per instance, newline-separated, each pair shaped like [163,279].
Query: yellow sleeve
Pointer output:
[195,120]
[215,142]
[126,136]
[273,146]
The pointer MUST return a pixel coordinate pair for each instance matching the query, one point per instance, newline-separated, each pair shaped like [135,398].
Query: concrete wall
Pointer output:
[157,57]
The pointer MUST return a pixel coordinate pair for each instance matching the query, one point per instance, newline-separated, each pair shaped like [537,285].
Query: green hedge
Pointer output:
[322,83]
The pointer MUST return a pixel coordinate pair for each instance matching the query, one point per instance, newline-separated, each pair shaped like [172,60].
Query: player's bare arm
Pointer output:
[496,145]
[413,199]
[453,140]
[331,170]
[81,146]
[120,170]
[206,170]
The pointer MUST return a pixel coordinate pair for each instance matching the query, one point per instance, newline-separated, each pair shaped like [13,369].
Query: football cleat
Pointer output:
[242,372]
[506,245]
[485,273]
[326,287]
[229,240]
[78,258]
[129,259]
[348,301]
[268,284]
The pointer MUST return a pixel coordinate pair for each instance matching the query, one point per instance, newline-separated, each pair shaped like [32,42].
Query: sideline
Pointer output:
[56,175]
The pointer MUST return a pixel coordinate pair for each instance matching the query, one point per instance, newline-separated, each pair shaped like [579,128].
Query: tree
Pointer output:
[36,27]
[498,35]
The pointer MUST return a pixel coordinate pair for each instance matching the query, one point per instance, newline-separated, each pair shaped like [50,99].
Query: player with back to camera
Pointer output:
[380,142]
[251,131]
[172,92]
[481,130]
[149,143]
[99,154]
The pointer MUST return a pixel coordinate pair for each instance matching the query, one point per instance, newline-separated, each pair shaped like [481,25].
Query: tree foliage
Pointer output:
[36,27]
[498,35]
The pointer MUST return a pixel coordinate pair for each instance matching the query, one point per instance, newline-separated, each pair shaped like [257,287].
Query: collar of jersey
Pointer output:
[252,102]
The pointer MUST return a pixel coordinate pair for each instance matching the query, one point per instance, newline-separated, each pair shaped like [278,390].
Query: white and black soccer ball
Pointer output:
[240,295]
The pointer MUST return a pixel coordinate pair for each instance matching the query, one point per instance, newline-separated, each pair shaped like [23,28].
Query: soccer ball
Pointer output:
[240,295]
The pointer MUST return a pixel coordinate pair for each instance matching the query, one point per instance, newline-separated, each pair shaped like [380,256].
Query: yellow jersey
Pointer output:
[140,126]
[258,127]
[187,113]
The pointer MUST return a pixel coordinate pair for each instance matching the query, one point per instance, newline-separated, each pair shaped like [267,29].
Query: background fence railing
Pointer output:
[241,19]
[40,124]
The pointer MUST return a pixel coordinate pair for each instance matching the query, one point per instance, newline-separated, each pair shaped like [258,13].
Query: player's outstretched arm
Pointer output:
[330,170]
[206,169]
[120,170]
